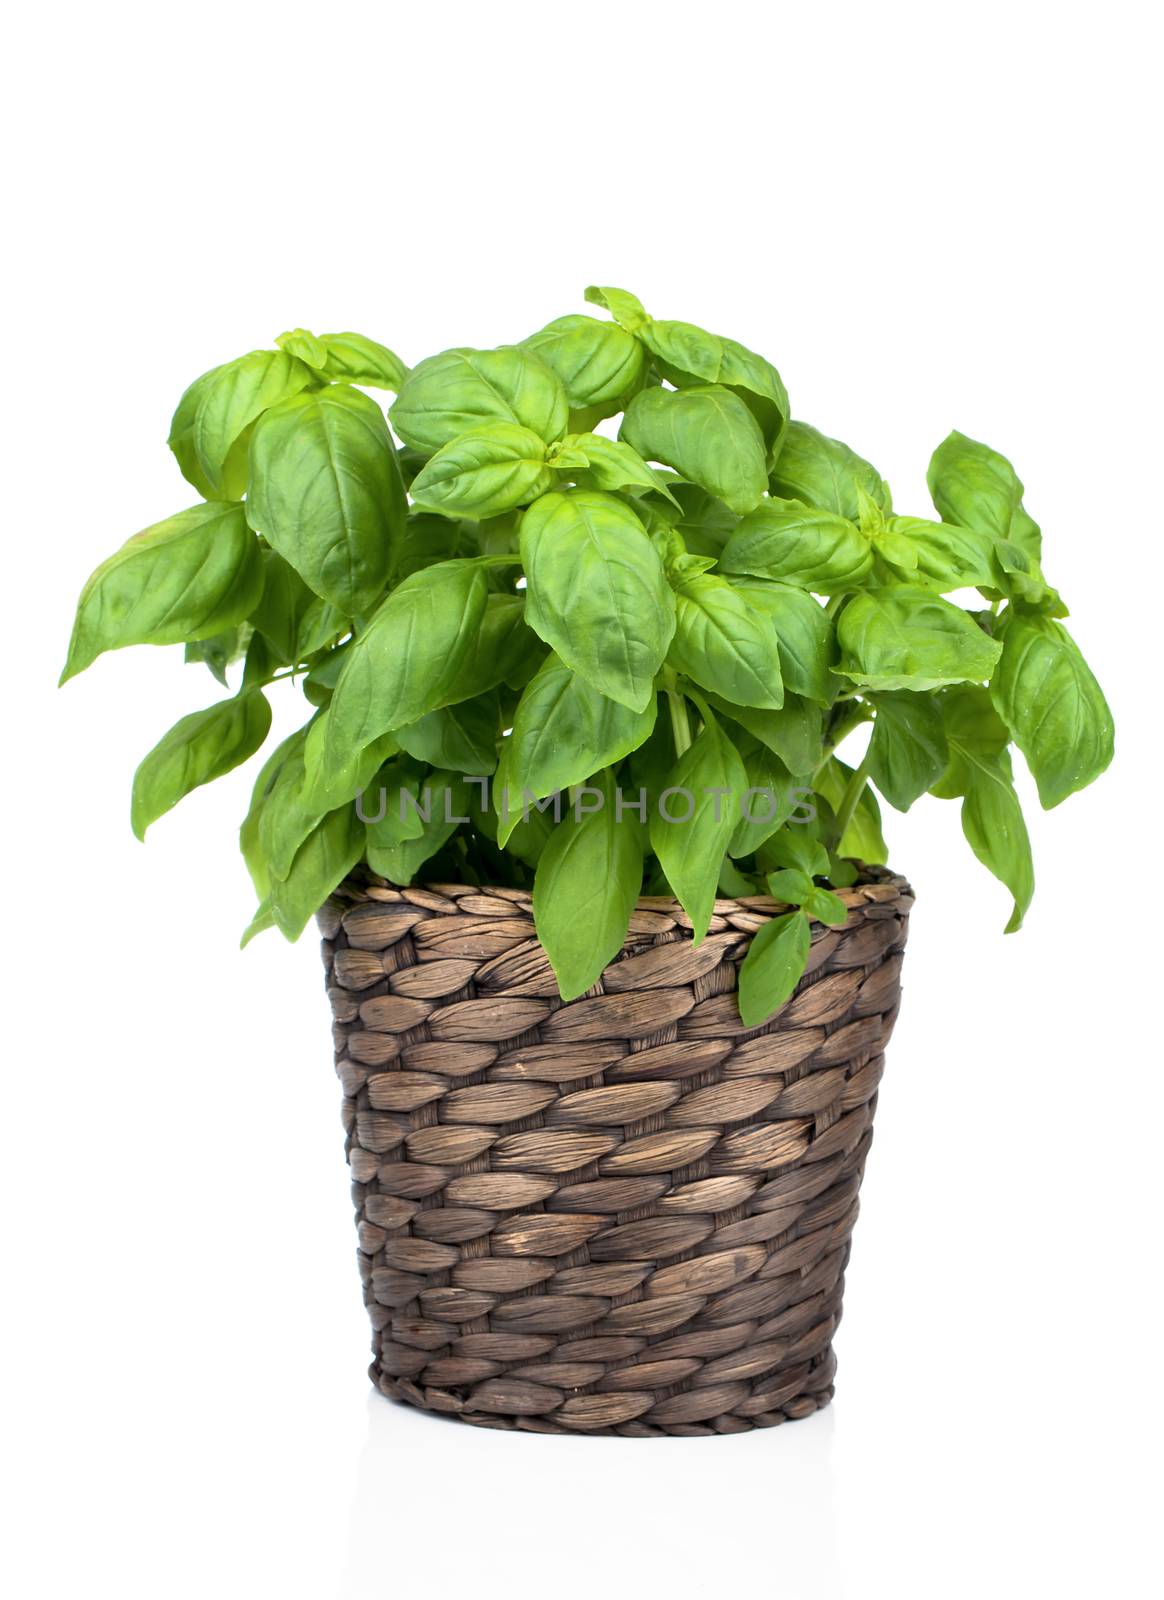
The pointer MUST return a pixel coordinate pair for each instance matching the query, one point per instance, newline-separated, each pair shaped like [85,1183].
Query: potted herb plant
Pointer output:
[611,946]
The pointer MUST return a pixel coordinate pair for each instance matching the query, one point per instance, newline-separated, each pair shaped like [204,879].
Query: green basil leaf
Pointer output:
[597,593]
[585,889]
[707,434]
[326,492]
[863,839]
[825,473]
[773,966]
[686,355]
[792,543]
[564,731]
[768,801]
[907,752]
[705,524]
[392,806]
[429,538]
[236,395]
[723,644]
[327,783]
[250,842]
[181,440]
[804,631]
[980,772]
[444,806]
[611,464]
[483,472]
[352,358]
[598,364]
[790,886]
[292,617]
[1049,699]
[975,487]
[796,848]
[218,652]
[507,651]
[626,309]
[303,344]
[448,394]
[462,737]
[189,577]
[698,819]
[199,748]
[827,907]
[944,557]
[795,733]
[908,638]
[411,659]
[322,862]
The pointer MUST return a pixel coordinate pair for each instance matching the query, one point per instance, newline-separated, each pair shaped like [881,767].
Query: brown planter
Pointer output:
[628,1214]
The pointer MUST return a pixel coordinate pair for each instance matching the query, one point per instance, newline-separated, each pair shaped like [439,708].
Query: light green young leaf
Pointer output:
[199,748]
[181,440]
[326,492]
[448,394]
[773,966]
[484,472]
[229,403]
[610,464]
[701,808]
[352,358]
[707,434]
[597,593]
[598,363]
[623,306]
[1055,710]
[686,355]
[724,644]
[790,886]
[825,473]
[863,839]
[909,638]
[943,557]
[412,658]
[980,772]
[907,752]
[190,577]
[249,839]
[796,848]
[790,542]
[975,487]
[804,632]
[587,882]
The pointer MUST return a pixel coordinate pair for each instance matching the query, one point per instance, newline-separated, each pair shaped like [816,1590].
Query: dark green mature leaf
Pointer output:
[686,355]
[448,394]
[563,731]
[322,862]
[411,659]
[292,617]
[218,652]
[189,577]
[907,753]
[483,472]
[724,644]
[804,631]
[790,542]
[700,810]
[907,638]
[598,364]
[597,593]
[587,882]
[825,473]
[773,966]
[794,733]
[707,434]
[461,738]
[768,801]
[980,772]
[1049,699]
[326,492]
[199,748]
[444,806]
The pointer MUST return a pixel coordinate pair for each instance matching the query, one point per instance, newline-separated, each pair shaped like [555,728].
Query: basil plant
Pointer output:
[590,614]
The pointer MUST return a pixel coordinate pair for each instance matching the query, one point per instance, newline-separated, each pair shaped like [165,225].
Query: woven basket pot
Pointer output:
[627,1214]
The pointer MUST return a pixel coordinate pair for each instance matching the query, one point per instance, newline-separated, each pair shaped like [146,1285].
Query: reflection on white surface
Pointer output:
[458,1509]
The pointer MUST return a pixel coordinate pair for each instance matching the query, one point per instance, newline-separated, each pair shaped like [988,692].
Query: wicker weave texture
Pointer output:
[628,1214]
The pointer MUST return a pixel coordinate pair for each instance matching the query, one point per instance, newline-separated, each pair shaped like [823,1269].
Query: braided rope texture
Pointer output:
[628,1214]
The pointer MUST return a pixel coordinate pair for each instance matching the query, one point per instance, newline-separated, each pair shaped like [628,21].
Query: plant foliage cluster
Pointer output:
[495,581]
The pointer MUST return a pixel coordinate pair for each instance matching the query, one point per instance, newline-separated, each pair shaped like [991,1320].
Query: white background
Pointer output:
[928,217]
